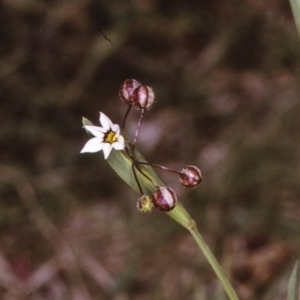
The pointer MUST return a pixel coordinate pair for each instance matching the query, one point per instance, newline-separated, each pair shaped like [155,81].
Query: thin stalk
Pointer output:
[214,263]
[180,215]
[138,127]
[126,115]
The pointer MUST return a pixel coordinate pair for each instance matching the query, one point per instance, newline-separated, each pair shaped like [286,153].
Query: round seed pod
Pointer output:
[126,90]
[143,97]
[190,176]
[164,199]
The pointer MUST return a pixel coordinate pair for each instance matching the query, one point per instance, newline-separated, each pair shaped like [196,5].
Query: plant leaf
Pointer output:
[122,165]
[85,121]
[295,4]
[293,285]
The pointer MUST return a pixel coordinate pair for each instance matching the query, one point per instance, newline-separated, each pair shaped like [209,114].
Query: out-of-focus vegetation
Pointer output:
[226,79]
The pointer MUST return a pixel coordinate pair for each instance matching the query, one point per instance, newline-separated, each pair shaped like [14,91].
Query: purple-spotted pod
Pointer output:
[143,97]
[190,176]
[164,199]
[126,90]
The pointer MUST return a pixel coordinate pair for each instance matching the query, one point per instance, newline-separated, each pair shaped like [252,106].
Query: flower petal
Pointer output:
[107,149]
[105,121]
[95,130]
[120,143]
[93,145]
[116,128]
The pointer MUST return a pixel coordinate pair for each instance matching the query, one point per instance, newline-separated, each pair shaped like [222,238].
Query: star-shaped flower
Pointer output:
[106,137]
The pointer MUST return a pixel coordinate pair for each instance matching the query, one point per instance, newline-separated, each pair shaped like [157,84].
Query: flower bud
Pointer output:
[143,97]
[190,176]
[144,204]
[126,90]
[164,199]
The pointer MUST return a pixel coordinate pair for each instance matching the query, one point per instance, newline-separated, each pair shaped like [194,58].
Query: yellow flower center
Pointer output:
[110,137]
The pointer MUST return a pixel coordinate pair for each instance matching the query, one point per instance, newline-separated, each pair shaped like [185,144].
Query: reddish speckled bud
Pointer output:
[190,176]
[164,199]
[143,97]
[126,90]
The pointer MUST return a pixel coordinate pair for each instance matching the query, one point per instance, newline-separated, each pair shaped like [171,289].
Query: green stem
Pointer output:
[180,215]
[214,264]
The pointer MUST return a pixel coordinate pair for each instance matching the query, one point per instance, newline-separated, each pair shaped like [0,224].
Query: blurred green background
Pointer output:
[226,80]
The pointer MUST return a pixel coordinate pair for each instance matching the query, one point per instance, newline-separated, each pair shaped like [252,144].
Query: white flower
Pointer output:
[106,137]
